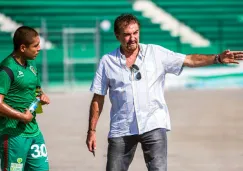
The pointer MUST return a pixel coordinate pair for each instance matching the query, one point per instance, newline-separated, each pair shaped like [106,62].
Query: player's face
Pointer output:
[33,49]
[129,36]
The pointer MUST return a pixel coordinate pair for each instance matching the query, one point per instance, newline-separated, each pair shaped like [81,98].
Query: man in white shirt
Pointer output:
[135,73]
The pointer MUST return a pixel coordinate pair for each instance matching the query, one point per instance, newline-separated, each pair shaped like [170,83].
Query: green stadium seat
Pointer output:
[215,20]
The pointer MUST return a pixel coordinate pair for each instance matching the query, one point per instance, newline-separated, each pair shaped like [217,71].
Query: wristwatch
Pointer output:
[217,60]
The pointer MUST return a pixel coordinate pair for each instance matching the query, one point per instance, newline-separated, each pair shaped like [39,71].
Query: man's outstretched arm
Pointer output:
[227,57]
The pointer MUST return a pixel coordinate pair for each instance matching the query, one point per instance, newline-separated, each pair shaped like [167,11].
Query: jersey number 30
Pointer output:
[39,150]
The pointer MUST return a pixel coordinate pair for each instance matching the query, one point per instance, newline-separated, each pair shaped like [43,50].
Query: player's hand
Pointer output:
[91,141]
[27,117]
[231,56]
[44,99]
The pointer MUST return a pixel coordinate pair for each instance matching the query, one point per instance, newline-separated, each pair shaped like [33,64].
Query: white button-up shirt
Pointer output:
[138,106]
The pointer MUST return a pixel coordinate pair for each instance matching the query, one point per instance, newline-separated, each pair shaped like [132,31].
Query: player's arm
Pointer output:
[6,77]
[197,60]
[44,99]
[7,111]
[96,107]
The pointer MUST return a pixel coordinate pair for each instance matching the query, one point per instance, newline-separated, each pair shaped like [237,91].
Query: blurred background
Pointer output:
[205,103]
[76,33]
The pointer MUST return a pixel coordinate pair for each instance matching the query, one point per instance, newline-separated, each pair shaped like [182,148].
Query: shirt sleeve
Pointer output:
[5,82]
[173,62]
[100,82]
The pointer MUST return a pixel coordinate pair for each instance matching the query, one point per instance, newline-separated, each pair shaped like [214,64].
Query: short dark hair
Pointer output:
[24,35]
[124,18]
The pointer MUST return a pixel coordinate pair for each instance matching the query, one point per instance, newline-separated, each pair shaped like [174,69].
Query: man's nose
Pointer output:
[132,37]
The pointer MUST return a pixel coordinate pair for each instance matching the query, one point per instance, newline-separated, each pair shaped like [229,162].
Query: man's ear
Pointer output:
[22,48]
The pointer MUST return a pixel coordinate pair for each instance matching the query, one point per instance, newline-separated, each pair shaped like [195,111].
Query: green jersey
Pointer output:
[18,85]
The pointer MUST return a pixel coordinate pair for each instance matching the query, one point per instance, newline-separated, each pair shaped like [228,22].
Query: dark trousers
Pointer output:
[121,151]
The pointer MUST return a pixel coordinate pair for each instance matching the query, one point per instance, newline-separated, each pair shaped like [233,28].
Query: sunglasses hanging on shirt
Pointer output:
[135,72]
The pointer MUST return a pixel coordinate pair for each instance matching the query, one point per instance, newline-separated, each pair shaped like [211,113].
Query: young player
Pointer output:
[22,146]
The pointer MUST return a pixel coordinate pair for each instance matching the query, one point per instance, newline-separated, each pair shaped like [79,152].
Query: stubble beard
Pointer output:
[132,47]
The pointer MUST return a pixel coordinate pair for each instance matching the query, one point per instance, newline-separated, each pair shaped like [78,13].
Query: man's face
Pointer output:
[33,49]
[129,36]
